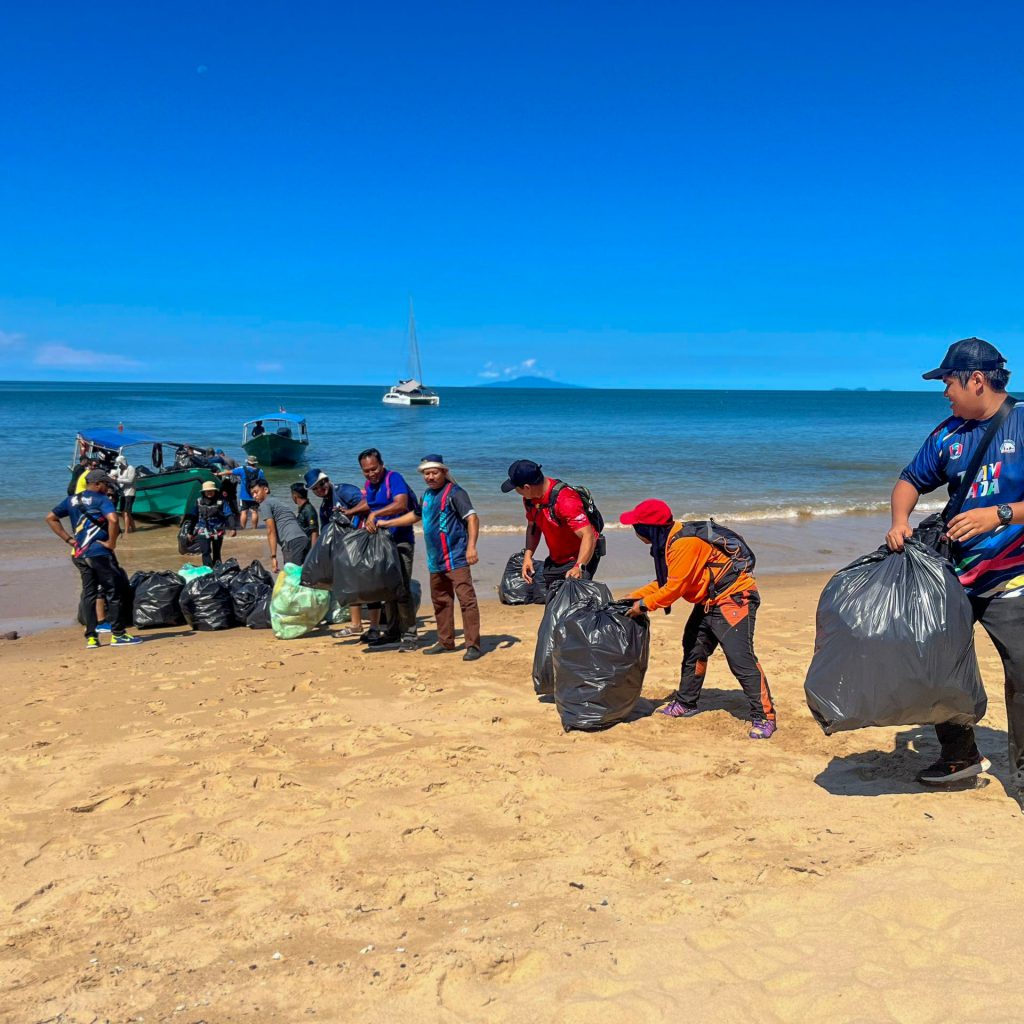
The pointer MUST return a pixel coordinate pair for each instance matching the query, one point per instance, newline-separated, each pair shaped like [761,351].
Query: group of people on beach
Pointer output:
[706,566]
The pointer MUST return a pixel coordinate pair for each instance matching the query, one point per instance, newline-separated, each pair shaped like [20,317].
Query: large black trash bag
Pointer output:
[318,565]
[253,572]
[894,645]
[206,603]
[513,589]
[366,568]
[246,595]
[259,617]
[600,660]
[571,594]
[156,600]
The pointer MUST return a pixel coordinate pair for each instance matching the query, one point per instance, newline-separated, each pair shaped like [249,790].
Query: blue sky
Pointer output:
[660,194]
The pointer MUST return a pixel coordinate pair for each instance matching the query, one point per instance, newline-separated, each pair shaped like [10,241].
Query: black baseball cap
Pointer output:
[521,473]
[968,354]
[98,476]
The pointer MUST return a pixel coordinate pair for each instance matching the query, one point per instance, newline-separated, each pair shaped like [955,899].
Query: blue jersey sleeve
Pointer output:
[927,470]
[63,510]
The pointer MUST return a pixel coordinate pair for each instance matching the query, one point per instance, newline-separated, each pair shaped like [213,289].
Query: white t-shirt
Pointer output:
[125,479]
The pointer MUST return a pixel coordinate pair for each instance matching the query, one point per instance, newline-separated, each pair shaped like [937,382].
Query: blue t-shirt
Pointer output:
[339,498]
[989,564]
[445,512]
[243,486]
[383,494]
[88,513]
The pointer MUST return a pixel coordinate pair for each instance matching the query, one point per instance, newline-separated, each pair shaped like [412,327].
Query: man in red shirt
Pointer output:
[574,546]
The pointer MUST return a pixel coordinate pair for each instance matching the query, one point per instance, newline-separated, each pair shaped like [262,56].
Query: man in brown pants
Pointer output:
[450,529]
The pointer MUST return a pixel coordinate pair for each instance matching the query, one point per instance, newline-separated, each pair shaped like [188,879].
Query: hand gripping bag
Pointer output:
[206,603]
[571,594]
[295,609]
[513,589]
[318,566]
[894,645]
[366,568]
[600,659]
[157,597]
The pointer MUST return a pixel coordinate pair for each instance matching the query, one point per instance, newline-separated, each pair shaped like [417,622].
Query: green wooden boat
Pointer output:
[161,491]
[277,439]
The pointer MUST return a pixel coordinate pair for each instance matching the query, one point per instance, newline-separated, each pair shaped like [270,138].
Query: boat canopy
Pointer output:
[408,387]
[286,417]
[113,440]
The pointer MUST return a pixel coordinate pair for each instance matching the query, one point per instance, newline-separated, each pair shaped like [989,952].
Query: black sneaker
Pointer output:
[472,654]
[368,636]
[385,640]
[944,773]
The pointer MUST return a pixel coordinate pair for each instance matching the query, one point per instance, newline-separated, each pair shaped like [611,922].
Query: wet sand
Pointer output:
[227,827]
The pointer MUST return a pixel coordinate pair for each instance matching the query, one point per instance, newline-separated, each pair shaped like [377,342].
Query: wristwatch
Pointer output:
[1005,514]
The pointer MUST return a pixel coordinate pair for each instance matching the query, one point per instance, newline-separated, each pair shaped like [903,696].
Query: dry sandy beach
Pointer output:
[227,827]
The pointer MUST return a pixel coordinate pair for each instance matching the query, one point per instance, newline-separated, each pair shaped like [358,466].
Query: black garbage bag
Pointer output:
[157,597]
[894,645]
[259,617]
[513,589]
[600,659]
[206,603]
[245,595]
[366,568]
[571,594]
[254,572]
[318,565]
[227,571]
[187,543]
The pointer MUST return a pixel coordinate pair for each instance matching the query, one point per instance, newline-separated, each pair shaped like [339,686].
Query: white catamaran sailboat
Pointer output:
[412,391]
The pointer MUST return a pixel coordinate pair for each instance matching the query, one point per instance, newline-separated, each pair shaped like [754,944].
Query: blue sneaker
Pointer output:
[676,709]
[124,640]
[102,627]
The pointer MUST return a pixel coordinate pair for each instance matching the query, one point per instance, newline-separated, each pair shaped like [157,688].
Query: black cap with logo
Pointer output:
[521,473]
[967,354]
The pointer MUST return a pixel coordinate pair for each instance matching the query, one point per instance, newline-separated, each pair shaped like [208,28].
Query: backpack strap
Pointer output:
[955,503]
[549,506]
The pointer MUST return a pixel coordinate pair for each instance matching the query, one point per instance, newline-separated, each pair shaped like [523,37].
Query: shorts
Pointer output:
[247,505]
[125,503]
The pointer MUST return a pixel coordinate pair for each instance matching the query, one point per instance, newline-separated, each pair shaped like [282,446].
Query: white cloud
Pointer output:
[269,367]
[67,358]
[524,368]
[9,340]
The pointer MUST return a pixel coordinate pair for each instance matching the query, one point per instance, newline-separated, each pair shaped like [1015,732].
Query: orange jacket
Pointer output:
[691,562]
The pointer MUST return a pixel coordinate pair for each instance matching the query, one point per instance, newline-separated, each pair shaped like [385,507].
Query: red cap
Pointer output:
[648,513]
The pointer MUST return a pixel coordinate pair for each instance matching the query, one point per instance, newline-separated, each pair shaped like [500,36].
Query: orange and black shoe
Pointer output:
[945,773]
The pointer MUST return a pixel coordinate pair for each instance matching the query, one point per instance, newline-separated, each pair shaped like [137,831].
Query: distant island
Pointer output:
[527,382]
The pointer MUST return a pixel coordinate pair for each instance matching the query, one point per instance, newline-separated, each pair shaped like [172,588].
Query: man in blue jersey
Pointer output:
[987,534]
[248,476]
[450,530]
[93,537]
[386,496]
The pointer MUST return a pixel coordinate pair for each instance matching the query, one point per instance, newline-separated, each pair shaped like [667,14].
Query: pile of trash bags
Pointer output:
[318,567]
[570,595]
[207,599]
[296,609]
[600,660]
[513,589]
[894,645]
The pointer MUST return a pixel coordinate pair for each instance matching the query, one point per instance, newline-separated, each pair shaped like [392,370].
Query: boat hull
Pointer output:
[275,450]
[390,399]
[169,495]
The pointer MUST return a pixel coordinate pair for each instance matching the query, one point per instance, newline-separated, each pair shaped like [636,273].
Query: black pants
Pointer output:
[104,577]
[729,625]
[210,547]
[295,551]
[554,572]
[401,615]
[1003,620]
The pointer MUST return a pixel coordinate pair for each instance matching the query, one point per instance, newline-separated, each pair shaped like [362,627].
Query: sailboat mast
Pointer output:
[414,347]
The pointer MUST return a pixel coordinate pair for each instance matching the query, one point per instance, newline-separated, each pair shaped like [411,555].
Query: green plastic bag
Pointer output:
[189,572]
[295,609]
[338,613]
